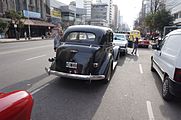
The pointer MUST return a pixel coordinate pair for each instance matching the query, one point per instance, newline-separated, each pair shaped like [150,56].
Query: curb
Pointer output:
[23,40]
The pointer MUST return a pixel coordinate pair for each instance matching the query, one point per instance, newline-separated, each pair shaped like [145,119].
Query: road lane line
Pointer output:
[36,57]
[138,54]
[38,89]
[141,69]
[22,50]
[150,111]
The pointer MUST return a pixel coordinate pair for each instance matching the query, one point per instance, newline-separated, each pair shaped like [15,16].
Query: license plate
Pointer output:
[71,65]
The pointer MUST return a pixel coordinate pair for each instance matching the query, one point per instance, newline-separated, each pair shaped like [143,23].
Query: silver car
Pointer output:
[121,40]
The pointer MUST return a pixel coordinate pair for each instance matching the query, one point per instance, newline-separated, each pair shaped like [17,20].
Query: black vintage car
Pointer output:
[86,53]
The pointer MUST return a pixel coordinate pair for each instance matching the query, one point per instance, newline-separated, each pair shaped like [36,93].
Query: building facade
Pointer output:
[34,21]
[115,15]
[175,7]
[87,6]
[109,13]
[99,14]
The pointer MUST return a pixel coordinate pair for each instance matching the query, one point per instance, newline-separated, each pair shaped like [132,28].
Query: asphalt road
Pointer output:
[134,93]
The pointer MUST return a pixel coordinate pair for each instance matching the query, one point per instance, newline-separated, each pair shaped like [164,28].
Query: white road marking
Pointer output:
[22,50]
[138,54]
[141,69]
[150,111]
[38,89]
[36,57]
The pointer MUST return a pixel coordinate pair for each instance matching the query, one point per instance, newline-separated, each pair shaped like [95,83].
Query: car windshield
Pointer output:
[80,36]
[119,37]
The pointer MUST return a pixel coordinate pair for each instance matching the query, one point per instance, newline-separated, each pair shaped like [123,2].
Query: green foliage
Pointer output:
[163,18]
[13,15]
[3,26]
[150,21]
[159,19]
[16,18]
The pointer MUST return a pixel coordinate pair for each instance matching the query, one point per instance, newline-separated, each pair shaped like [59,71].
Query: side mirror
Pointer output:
[115,38]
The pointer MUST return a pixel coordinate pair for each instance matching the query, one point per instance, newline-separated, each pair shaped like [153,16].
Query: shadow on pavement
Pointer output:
[170,110]
[66,99]
[133,57]
[25,84]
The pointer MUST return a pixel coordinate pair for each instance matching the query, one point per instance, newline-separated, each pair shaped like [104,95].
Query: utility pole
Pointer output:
[29,29]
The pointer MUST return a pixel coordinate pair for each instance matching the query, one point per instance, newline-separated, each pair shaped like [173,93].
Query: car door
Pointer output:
[159,54]
[170,53]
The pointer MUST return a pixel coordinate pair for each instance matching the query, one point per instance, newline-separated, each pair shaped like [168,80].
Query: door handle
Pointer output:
[160,54]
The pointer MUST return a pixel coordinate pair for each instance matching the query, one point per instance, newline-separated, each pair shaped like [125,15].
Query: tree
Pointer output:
[150,22]
[16,20]
[163,18]
[3,26]
[156,21]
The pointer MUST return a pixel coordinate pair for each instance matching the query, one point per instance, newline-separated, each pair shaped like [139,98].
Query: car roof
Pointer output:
[119,34]
[177,31]
[88,28]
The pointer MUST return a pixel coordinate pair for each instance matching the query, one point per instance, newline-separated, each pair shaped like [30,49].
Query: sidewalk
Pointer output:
[6,40]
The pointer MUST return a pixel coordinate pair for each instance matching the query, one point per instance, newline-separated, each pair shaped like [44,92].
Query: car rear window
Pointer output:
[80,36]
[119,37]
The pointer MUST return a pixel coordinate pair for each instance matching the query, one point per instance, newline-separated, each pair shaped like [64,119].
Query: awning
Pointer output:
[37,23]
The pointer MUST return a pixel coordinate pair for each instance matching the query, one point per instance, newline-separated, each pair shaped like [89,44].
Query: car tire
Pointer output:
[152,68]
[167,96]
[108,75]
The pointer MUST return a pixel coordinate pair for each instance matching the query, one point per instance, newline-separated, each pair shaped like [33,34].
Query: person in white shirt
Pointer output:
[57,39]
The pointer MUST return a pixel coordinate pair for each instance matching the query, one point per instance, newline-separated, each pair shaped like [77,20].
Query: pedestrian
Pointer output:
[57,39]
[135,46]
[25,35]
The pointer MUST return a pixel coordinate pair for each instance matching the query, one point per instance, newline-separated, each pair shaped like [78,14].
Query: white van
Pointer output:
[166,61]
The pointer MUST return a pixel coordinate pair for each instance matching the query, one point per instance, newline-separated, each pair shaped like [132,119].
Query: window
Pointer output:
[161,43]
[172,45]
[120,37]
[80,36]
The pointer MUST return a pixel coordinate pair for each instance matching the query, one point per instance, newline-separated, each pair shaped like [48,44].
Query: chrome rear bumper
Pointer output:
[75,76]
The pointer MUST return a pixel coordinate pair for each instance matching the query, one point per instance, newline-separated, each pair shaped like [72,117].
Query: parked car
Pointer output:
[16,105]
[121,40]
[86,53]
[143,42]
[166,60]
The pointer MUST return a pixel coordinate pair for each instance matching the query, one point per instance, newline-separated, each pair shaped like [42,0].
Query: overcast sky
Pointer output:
[129,9]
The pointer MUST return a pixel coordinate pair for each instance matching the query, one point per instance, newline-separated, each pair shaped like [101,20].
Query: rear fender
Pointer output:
[105,64]
[15,105]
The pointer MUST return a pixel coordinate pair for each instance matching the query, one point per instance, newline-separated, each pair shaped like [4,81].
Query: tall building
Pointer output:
[87,6]
[175,7]
[79,3]
[146,7]
[99,14]
[115,16]
[98,1]
[109,13]
[55,12]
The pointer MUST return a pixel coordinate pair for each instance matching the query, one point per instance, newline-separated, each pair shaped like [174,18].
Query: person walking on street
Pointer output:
[25,35]
[135,47]
[57,39]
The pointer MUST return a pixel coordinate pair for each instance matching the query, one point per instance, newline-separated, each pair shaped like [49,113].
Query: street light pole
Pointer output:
[29,30]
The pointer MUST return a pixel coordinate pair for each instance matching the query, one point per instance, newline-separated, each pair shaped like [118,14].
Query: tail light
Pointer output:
[177,75]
